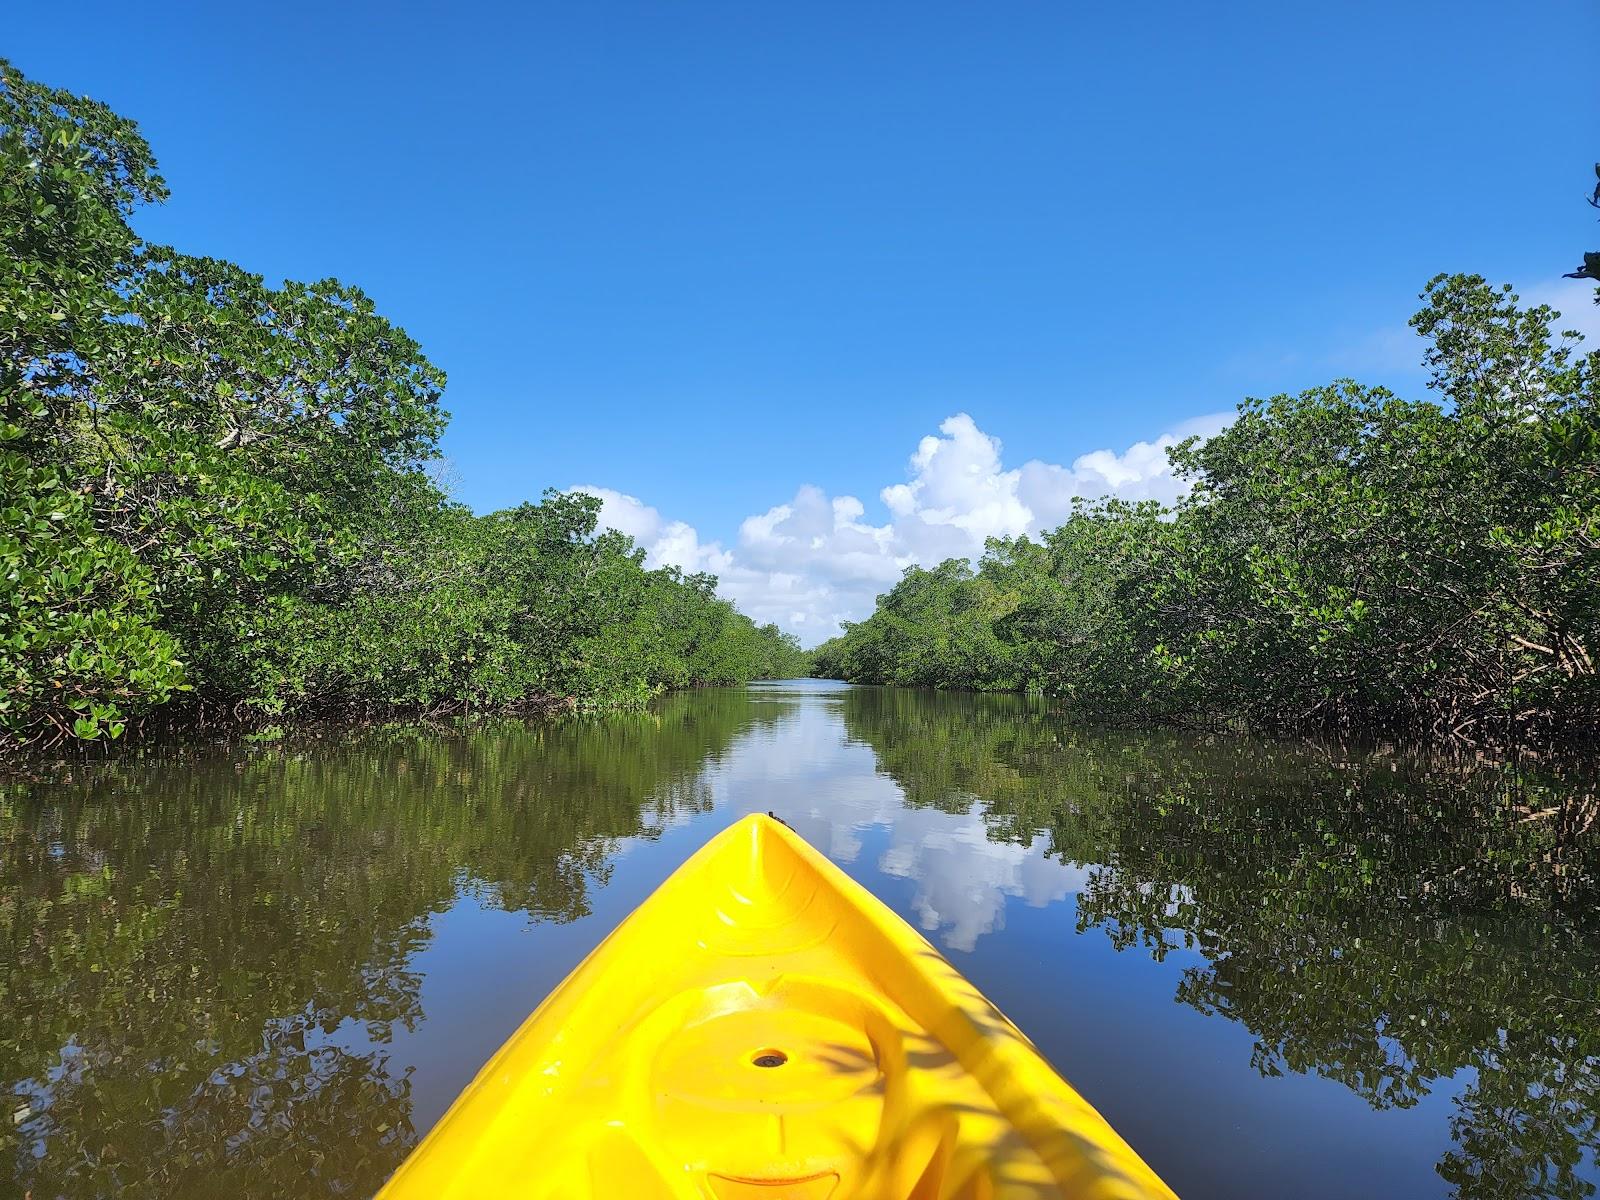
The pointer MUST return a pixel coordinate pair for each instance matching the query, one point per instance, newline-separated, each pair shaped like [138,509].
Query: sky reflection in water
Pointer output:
[1278,971]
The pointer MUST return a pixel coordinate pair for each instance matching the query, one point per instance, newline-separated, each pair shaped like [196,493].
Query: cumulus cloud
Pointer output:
[815,561]
[665,543]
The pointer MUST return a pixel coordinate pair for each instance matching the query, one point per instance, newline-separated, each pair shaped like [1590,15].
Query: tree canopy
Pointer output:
[1344,556]
[219,495]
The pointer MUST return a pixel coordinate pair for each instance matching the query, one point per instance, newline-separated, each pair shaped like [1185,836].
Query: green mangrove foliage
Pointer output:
[216,493]
[1344,557]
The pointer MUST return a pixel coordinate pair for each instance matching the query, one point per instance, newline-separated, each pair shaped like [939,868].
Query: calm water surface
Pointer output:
[1280,972]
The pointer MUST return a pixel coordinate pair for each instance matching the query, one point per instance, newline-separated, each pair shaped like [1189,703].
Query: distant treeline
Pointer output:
[216,494]
[1343,558]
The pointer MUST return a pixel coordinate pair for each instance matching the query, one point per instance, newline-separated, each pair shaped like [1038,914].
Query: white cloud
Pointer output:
[665,543]
[957,484]
[815,560]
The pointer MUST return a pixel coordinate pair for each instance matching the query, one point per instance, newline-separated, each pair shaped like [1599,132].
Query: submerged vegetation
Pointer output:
[1344,558]
[217,495]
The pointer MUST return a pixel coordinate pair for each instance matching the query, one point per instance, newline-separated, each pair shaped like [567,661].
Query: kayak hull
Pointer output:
[762,1028]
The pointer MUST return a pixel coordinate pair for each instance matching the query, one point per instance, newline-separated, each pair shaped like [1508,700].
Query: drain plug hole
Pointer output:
[770,1058]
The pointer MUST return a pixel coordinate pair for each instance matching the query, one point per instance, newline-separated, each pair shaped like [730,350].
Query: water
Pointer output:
[1279,971]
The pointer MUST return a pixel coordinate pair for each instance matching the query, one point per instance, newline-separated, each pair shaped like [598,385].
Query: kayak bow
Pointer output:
[762,1028]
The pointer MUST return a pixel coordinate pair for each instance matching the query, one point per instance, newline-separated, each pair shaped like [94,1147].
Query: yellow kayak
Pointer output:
[762,1028]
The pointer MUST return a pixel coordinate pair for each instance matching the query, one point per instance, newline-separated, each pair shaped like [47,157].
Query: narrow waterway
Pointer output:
[1278,970]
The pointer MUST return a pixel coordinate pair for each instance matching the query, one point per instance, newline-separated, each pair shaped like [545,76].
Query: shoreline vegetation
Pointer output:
[220,498]
[222,512]
[1345,561]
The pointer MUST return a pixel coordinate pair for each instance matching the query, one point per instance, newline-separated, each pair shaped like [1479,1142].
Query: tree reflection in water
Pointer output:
[204,961]
[1380,919]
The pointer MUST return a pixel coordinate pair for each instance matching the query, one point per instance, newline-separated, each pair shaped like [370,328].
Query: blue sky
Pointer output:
[707,255]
